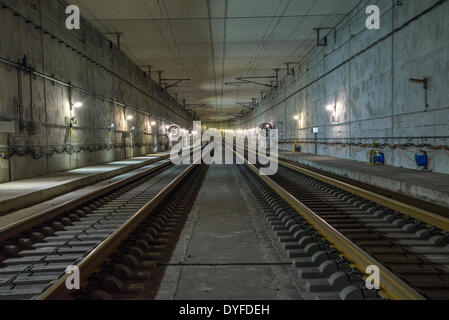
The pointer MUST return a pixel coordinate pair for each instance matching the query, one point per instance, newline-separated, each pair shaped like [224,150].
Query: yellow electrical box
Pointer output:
[372,154]
[371,157]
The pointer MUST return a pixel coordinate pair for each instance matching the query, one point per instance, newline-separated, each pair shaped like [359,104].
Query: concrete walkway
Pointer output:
[426,186]
[22,193]
[225,251]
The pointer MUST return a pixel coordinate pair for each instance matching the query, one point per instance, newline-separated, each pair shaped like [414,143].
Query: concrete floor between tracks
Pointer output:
[427,186]
[225,250]
[22,193]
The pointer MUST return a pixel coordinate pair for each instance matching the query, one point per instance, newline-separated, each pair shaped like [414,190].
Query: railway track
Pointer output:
[134,270]
[37,251]
[10,233]
[415,252]
[412,255]
[120,238]
[322,271]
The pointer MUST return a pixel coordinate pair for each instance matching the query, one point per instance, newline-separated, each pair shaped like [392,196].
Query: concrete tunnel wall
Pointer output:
[369,83]
[86,59]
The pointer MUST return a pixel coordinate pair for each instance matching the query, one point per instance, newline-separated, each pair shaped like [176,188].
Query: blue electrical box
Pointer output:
[421,160]
[379,158]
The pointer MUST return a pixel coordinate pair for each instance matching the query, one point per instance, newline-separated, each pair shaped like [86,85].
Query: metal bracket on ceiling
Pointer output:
[246,80]
[292,70]
[323,42]
[250,80]
[148,68]
[249,105]
[174,83]
[235,83]
[195,106]
[117,34]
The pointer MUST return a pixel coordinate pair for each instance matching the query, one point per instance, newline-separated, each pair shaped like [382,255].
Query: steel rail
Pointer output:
[404,208]
[17,227]
[89,264]
[393,287]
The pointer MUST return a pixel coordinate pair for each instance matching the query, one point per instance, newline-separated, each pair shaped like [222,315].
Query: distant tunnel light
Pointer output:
[153,123]
[77,105]
[296,117]
[129,117]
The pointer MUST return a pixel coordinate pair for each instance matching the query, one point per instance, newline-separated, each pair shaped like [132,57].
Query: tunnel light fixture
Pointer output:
[333,110]
[153,123]
[332,107]
[297,117]
[129,117]
[77,105]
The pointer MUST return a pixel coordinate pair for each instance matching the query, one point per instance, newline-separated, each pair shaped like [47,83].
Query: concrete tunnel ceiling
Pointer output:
[212,42]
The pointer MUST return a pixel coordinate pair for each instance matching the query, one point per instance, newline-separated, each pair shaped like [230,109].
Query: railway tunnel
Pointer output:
[234,150]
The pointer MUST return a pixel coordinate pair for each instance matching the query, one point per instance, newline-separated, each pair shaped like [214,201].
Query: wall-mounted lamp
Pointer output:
[297,117]
[77,105]
[153,123]
[129,117]
[332,107]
